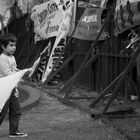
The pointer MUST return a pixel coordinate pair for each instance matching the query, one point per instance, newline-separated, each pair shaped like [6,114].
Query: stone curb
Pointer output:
[61,99]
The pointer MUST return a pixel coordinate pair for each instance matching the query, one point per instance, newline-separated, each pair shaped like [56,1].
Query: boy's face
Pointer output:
[10,48]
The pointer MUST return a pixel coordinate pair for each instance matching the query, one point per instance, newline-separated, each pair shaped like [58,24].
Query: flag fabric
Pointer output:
[63,31]
[40,64]
[7,84]
[34,66]
[127,15]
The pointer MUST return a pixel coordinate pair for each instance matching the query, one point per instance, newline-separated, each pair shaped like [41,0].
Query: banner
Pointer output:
[89,24]
[127,15]
[40,64]
[46,17]
[64,28]
[7,84]
[5,6]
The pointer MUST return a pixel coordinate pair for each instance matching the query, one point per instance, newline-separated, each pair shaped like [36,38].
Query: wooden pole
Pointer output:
[72,79]
[126,71]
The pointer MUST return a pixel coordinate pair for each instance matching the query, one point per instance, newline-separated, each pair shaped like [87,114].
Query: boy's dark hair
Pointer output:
[4,39]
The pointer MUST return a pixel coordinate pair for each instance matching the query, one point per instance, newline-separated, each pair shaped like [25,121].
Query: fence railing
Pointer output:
[101,72]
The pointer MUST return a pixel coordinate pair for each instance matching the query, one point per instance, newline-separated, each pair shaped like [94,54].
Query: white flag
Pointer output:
[62,32]
[47,18]
[7,84]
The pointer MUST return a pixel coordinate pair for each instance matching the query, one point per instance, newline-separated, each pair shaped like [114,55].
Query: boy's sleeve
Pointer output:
[15,68]
[4,67]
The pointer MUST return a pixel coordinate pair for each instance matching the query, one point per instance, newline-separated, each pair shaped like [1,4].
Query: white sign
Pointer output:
[62,33]
[88,19]
[47,18]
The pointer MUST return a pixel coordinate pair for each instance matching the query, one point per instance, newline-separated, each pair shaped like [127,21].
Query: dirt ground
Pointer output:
[127,124]
[53,120]
[127,118]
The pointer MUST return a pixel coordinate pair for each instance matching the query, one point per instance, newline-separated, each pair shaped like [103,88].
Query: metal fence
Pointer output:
[100,73]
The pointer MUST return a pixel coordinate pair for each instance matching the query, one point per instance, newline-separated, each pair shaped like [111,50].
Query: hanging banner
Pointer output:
[127,15]
[66,7]
[47,18]
[89,24]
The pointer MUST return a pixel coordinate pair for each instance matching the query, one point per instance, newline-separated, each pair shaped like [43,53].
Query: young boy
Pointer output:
[8,66]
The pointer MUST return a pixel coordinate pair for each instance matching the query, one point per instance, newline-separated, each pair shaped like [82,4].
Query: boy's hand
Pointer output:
[16,93]
[30,69]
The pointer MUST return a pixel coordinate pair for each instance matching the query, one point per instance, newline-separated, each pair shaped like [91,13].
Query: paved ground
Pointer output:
[52,120]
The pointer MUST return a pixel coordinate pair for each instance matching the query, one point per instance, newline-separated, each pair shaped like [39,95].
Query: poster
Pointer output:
[48,16]
[89,24]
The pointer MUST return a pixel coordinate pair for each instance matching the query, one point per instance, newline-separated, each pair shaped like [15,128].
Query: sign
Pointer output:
[47,18]
[66,8]
[89,24]
[127,15]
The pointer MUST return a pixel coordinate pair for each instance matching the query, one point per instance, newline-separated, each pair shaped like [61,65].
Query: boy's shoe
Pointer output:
[18,134]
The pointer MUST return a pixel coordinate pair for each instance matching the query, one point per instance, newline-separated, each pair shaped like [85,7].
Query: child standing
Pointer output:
[8,66]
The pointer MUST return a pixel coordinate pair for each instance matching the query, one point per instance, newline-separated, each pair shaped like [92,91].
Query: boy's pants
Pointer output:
[14,113]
